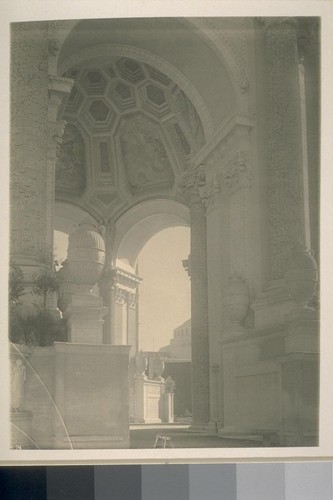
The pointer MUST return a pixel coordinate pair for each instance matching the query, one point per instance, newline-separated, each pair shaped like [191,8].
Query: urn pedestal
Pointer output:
[85,312]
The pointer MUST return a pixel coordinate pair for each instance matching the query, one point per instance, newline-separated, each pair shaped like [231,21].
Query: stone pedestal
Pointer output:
[299,370]
[92,396]
[299,400]
[148,397]
[85,314]
[272,305]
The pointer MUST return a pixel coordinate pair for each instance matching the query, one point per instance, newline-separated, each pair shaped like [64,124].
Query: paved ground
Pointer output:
[144,437]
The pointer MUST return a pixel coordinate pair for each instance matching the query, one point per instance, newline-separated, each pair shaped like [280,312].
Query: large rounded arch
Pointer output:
[156,42]
[140,223]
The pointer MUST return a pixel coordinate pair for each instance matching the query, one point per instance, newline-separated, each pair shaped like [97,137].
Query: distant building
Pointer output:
[180,344]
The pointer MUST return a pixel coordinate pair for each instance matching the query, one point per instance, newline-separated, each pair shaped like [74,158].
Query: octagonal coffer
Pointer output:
[123,95]
[130,70]
[155,99]
[99,110]
[94,82]
[123,90]
[158,76]
[155,94]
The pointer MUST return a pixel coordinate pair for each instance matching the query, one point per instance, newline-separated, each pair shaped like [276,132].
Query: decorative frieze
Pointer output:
[70,165]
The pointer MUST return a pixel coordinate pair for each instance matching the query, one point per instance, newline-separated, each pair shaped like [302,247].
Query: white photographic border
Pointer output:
[33,10]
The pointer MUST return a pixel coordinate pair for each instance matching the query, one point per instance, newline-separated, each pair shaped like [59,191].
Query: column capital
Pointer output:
[237,172]
[132,300]
[210,191]
[192,183]
[120,295]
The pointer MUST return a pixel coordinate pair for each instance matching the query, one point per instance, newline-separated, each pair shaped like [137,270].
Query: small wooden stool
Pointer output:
[163,440]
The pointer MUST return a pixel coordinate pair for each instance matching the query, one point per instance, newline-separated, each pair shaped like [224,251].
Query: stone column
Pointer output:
[289,230]
[193,182]
[37,102]
[288,227]
[284,129]
[30,222]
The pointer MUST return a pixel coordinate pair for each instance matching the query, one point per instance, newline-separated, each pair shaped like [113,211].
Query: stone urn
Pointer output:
[237,301]
[86,255]
[158,367]
[301,276]
[141,364]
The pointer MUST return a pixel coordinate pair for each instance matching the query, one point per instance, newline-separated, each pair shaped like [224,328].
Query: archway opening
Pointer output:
[165,296]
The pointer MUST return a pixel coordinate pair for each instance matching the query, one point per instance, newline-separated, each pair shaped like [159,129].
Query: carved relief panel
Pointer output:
[70,166]
[144,155]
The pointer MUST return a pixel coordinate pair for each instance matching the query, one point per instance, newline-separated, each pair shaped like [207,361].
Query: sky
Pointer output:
[165,298]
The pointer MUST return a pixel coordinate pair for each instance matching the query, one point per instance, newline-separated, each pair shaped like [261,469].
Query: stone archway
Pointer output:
[131,232]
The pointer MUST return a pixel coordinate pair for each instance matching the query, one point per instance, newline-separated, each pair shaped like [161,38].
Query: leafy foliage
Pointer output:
[46,283]
[35,325]
[16,288]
